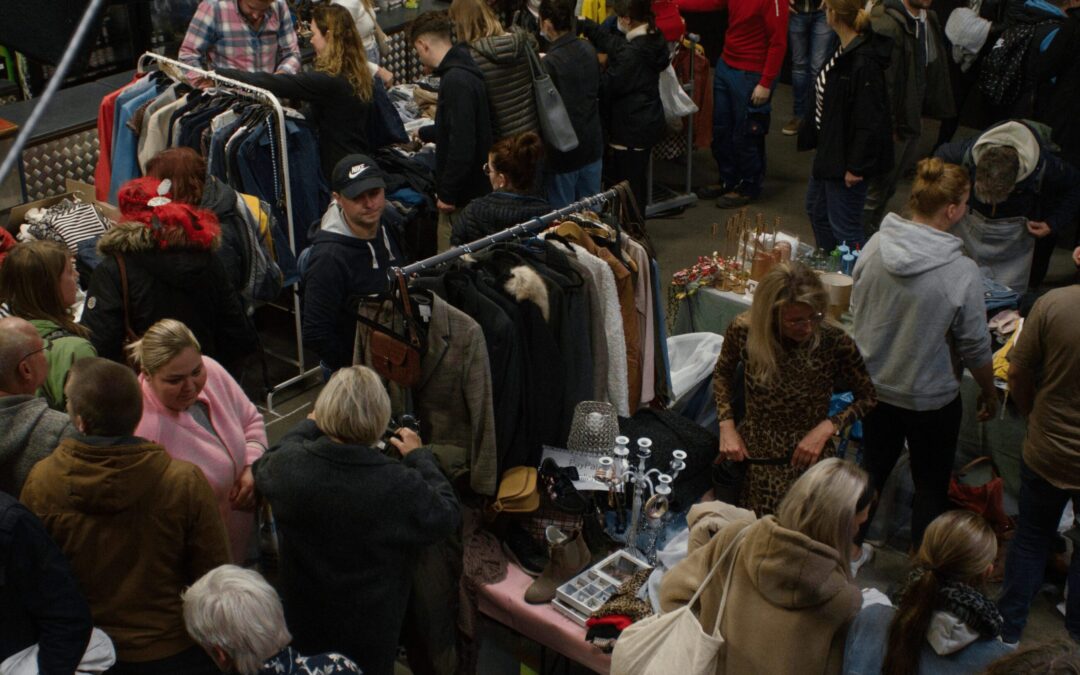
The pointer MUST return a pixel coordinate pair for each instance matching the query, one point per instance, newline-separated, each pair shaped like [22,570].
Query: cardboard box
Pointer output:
[75,188]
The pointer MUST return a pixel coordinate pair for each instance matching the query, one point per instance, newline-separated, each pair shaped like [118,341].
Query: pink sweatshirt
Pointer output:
[243,440]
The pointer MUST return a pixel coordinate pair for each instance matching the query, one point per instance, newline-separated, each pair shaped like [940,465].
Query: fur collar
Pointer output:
[134,237]
[525,284]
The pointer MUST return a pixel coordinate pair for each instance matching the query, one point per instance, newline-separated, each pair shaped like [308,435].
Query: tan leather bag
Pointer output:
[517,491]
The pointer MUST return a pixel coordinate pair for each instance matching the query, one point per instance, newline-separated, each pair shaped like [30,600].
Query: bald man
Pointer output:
[29,429]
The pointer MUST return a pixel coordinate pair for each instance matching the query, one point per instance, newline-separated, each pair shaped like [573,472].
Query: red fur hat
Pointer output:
[173,224]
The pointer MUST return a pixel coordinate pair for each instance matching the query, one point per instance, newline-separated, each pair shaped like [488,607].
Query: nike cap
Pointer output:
[356,174]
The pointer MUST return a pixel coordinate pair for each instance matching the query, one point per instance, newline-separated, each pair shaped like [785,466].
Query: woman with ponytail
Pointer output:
[512,169]
[161,262]
[849,124]
[942,623]
[919,319]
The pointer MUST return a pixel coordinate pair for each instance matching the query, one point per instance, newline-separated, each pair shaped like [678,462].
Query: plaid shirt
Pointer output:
[220,37]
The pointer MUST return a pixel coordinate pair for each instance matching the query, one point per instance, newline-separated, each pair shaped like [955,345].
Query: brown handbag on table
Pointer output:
[396,357]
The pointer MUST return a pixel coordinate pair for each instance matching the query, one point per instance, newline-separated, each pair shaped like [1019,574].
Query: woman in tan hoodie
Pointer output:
[792,596]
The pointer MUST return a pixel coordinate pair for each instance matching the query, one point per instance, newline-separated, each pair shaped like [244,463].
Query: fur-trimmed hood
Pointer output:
[138,238]
[525,284]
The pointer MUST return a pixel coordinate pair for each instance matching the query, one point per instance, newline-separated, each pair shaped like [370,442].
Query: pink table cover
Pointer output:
[505,602]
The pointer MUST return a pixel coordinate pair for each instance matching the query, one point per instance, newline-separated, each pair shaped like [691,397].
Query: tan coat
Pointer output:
[791,599]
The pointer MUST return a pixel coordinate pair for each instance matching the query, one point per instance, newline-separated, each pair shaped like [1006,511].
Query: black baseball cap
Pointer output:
[356,174]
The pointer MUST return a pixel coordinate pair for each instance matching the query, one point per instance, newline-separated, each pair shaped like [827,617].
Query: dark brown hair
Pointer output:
[106,395]
[185,168]
[559,12]
[635,10]
[430,22]
[30,283]
[937,184]
[518,158]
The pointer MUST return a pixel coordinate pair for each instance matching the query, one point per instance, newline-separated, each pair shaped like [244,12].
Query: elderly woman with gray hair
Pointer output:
[352,520]
[237,618]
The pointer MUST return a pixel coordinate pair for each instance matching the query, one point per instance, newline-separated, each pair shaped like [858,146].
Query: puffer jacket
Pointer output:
[493,212]
[221,199]
[186,283]
[505,65]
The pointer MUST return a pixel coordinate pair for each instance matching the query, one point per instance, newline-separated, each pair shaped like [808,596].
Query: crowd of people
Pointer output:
[136,476]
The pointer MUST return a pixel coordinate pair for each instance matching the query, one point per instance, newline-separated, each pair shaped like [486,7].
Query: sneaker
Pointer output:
[711,191]
[792,127]
[866,554]
[559,487]
[733,200]
[520,547]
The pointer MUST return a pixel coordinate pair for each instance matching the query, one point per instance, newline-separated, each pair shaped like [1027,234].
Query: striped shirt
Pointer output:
[220,37]
[819,88]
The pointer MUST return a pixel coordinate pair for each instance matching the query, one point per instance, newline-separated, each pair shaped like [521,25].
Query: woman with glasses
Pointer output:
[792,362]
[38,282]
[512,169]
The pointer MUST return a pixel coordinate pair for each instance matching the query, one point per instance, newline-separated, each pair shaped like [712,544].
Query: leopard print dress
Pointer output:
[779,413]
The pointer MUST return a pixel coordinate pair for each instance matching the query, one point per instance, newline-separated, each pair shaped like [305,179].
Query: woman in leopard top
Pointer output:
[793,362]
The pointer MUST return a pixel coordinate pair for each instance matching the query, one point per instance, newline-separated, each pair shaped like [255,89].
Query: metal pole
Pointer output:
[51,88]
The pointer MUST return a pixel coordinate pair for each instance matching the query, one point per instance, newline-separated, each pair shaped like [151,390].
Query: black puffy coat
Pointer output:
[630,86]
[493,212]
[504,61]
[184,283]
[856,119]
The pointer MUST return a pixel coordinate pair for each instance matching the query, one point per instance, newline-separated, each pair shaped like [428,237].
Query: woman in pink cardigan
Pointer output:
[198,412]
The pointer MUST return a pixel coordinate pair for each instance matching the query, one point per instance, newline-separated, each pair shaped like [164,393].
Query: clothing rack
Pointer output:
[520,230]
[677,201]
[285,201]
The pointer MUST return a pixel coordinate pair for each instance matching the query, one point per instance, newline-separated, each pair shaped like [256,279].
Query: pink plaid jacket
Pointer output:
[219,37]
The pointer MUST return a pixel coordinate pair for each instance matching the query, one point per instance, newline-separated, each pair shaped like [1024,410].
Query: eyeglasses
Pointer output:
[45,345]
[812,320]
[488,169]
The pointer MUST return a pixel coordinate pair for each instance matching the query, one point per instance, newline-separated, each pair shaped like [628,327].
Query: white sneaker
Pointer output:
[866,554]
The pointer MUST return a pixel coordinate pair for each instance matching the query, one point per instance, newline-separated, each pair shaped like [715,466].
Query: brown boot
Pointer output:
[569,556]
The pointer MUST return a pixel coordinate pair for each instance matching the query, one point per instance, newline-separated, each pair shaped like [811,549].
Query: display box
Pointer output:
[586,592]
[75,189]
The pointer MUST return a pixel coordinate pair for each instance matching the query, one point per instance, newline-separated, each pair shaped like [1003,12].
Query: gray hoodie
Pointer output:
[916,298]
[29,432]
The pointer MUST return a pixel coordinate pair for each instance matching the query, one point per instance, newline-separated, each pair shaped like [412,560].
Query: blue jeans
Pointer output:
[835,212]
[739,130]
[1041,506]
[570,186]
[812,42]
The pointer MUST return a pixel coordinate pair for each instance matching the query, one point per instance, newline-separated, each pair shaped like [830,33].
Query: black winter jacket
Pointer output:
[353,523]
[1051,193]
[504,61]
[856,119]
[40,601]
[462,131]
[493,212]
[235,257]
[575,72]
[183,283]
[342,118]
[630,86]
[338,268]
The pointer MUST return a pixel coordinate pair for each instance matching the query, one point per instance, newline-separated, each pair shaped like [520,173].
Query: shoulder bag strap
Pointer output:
[410,321]
[128,333]
[734,547]
[719,561]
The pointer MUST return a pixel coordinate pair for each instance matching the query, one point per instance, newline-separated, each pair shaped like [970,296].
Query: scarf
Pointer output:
[963,601]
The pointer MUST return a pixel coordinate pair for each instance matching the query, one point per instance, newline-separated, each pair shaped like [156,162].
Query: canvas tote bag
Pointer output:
[674,643]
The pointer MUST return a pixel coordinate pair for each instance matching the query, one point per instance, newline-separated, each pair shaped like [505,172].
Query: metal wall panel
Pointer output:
[47,165]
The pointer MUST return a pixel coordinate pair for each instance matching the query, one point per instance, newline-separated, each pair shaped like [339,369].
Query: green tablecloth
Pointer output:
[710,310]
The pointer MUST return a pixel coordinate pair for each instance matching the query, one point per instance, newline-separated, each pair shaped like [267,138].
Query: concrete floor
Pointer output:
[679,240]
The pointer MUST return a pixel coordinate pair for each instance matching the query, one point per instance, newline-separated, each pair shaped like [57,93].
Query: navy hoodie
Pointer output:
[339,267]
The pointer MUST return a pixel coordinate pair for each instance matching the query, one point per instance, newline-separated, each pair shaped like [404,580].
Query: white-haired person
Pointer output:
[790,572]
[237,618]
[352,520]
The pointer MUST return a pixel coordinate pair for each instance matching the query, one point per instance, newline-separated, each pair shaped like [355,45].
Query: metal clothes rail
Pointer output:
[520,230]
[285,203]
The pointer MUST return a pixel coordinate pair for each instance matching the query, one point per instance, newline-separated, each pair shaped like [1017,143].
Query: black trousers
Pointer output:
[191,661]
[633,166]
[931,437]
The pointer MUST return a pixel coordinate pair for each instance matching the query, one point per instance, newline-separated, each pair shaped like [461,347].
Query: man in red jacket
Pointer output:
[754,48]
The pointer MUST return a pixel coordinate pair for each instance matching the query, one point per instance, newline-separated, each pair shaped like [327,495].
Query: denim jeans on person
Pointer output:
[373,55]
[739,130]
[812,42]
[1041,506]
[570,186]
[931,437]
[835,212]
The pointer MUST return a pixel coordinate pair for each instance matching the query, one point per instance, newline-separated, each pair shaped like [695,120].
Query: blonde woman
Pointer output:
[340,89]
[504,62]
[38,282]
[352,521]
[943,622]
[198,412]
[793,360]
[791,594]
